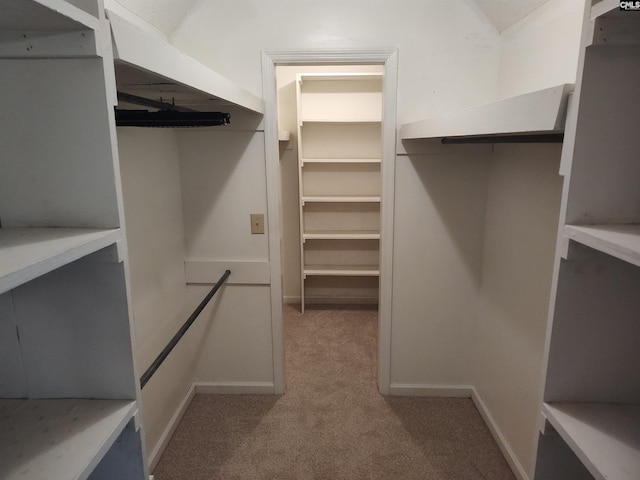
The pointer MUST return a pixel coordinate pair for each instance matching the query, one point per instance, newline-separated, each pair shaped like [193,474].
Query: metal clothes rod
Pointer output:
[176,338]
[534,138]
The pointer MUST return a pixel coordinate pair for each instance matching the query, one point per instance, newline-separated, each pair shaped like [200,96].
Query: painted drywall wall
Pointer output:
[448,54]
[520,233]
[153,216]
[223,182]
[439,227]
[542,49]
[287,118]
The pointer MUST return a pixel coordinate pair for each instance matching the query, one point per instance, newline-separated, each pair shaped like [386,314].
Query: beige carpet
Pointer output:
[331,423]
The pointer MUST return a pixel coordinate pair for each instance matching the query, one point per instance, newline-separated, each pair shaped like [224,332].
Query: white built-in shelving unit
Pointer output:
[68,387]
[591,401]
[339,151]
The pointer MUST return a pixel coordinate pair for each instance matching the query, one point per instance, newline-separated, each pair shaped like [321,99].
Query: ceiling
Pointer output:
[504,13]
[167,15]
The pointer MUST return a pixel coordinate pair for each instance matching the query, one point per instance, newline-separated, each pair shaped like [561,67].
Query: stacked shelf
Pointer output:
[592,388]
[68,389]
[339,145]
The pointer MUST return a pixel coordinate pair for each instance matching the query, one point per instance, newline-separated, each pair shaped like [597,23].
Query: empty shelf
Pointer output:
[342,235]
[341,199]
[603,436]
[58,439]
[543,111]
[340,160]
[342,270]
[620,241]
[27,253]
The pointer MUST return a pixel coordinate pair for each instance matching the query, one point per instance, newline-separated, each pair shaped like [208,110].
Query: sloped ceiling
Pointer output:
[167,15]
[504,13]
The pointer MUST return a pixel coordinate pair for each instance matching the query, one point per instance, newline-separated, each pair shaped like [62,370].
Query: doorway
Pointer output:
[384,61]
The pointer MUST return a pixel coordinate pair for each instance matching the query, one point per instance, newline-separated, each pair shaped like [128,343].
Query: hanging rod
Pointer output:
[176,338]
[147,102]
[163,118]
[533,138]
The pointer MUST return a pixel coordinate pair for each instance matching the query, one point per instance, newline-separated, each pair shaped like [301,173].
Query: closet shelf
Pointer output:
[156,68]
[332,77]
[603,436]
[620,240]
[346,121]
[284,135]
[342,270]
[341,160]
[539,112]
[340,199]
[58,439]
[45,15]
[342,235]
[27,253]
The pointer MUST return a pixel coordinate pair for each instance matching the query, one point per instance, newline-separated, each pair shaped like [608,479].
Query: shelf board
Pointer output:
[341,160]
[58,439]
[27,253]
[342,235]
[163,63]
[620,241]
[543,111]
[331,77]
[603,436]
[284,135]
[45,15]
[342,270]
[348,121]
[340,199]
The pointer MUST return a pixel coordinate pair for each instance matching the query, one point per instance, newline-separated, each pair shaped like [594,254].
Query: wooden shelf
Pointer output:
[340,160]
[58,439]
[163,63]
[620,241]
[340,199]
[342,270]
[45,15]
[332,77]
[603,436]
[284,135]
[348,121]
[27,253]
[543,111]
[342,235]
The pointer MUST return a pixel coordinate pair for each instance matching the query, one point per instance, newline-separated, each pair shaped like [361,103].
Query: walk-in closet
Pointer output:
[284,239]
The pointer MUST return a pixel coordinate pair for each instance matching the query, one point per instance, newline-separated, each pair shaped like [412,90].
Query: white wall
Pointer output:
[542,49]
[521,225]
[448,55]
[152,195]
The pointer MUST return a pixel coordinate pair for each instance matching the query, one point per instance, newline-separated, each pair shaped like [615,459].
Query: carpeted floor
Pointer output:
[331,424]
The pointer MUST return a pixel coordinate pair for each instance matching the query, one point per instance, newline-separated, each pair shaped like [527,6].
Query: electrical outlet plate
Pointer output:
[257,223]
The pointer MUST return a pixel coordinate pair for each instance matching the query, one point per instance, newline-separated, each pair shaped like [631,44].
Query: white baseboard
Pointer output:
[503,444]
[424,390]
[252,388]
[154,457]
[330,300]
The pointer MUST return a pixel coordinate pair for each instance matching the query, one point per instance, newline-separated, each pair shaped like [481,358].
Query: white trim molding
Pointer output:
[388,57]
[422,390]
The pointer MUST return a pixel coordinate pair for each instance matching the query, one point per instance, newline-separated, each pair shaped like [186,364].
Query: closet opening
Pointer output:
[335,156]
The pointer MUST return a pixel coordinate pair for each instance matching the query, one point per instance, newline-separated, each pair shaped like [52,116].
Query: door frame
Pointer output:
[389,59]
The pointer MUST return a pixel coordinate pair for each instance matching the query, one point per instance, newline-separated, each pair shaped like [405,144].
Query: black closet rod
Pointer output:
[176,338]
[533,138]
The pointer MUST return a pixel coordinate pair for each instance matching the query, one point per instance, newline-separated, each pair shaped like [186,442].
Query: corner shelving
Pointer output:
[591,399]
[339,147]
[68,388]
[539,112]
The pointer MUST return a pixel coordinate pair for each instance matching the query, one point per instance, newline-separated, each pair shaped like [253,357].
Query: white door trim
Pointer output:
[389,58]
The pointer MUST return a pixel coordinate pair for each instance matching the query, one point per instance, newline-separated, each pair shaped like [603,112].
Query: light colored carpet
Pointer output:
[331,423]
